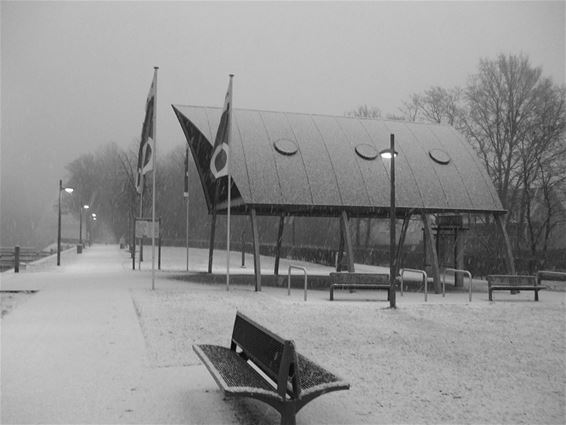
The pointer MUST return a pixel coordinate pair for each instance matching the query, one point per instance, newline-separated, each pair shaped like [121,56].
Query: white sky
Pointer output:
[75,75]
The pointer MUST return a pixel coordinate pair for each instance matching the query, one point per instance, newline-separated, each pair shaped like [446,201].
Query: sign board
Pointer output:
[143,228]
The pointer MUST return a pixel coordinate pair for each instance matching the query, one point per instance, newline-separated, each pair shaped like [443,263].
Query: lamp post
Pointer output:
[391,154]
[93,216]
[83,207]
[68,190]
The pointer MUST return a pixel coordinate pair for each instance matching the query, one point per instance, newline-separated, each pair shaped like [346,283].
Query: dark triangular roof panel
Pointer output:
[317,164]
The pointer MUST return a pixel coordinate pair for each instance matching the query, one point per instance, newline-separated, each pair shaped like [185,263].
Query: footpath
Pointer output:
[74,351]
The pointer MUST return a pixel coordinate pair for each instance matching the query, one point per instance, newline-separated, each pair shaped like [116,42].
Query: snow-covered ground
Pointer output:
[443,361]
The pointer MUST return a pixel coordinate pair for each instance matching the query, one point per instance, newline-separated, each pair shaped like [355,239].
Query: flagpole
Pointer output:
[229,190]
[187,236]
[186,182]
[153,155]
[141,216]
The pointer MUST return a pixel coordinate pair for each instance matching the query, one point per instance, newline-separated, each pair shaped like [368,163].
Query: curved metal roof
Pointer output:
[299,163]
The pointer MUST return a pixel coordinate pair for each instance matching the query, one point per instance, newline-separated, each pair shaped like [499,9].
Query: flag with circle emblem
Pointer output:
[219,159]
[145,154]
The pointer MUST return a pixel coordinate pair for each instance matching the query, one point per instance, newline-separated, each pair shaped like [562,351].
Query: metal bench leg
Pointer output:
[490,292]
[288,414]
[536,295]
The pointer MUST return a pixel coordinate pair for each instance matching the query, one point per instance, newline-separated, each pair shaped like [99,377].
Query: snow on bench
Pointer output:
[261,365]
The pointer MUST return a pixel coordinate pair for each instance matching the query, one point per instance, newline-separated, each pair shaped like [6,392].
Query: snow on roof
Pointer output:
[322,165]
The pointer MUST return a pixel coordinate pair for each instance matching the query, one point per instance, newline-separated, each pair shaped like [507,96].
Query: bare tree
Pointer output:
[501,98]
[363,111]
[410,109]
[515,120]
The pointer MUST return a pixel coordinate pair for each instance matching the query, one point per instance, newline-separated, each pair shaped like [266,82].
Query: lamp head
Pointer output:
[388,154]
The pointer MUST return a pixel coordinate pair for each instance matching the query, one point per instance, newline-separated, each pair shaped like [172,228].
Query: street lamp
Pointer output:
[68,190]
[83,207]
[390,154]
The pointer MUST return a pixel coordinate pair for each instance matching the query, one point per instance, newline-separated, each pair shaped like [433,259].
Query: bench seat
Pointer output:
[232,372]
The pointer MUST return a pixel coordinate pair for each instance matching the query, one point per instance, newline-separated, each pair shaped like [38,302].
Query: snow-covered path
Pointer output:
[74,352]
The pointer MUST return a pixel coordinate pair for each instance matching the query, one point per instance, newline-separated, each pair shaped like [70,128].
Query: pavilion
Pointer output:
[291,164]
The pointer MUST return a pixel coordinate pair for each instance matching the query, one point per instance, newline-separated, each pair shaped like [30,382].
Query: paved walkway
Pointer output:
[74,351]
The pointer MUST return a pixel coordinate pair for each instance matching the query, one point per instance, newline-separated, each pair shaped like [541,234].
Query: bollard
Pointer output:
[16,259]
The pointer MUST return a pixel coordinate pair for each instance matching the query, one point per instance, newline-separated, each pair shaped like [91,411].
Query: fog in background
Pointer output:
[75,75]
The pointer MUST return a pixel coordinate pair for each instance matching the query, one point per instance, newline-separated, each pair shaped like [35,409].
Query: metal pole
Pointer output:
[81,224]
[187,234]
[243,249]
[229,190]
[59,226]
[153,156]
[392,271]
[140,259]
[16,259]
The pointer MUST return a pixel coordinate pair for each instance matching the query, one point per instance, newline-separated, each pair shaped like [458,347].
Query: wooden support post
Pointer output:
[459,260]
[348,240]
[425,251]
[340,249]
[509,260]
[278,246]
[211,244]
[404,228]
[433,252]
[255,238]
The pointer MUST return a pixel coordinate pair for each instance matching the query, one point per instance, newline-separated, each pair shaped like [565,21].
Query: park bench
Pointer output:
[264,366]
[513,283]
[353,281]
[552,276]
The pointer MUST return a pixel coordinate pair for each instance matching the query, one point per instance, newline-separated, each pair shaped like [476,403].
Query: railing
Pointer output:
[456,271]
[425,280]
[289,278]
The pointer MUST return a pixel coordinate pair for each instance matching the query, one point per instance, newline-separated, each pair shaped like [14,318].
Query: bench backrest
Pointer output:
[275,356]
[357,278]
[551,275]
[511,280]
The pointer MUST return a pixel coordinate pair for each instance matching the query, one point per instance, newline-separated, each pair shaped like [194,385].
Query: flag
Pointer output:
[219,160]
[186,191]
[145,161]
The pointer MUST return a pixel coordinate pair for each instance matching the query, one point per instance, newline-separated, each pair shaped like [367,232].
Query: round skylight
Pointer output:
[285,147]
[440,156]
[366,151]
